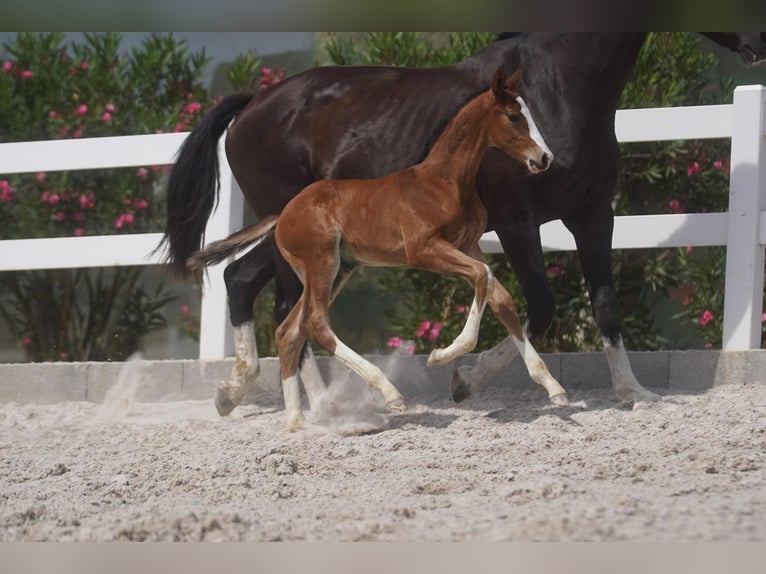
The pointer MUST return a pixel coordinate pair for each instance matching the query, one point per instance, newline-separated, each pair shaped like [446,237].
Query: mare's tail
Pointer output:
[237,241]
[193,184]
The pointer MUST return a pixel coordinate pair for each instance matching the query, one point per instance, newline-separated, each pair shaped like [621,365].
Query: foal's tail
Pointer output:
[237,241]
[193,184]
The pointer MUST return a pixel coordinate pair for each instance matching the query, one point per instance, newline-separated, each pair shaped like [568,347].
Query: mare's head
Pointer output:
[511,127]
[751,46]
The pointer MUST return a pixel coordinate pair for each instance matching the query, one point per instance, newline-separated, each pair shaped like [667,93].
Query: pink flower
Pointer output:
[193,107]
[395,342]
[460,309]
[26,74]
[79,232]
[127,201]
[119,222]
[109,108]
[77,133]
[106,116]
[408,348]
[84,65]
[693,169]
[554,270]
[675,206]
[6,191]
[141,204]
[60,216]
[718,164]
[689,249]
[83,199]
[78,216]
[433,334]
[142,173]
[129,218]
[424,326]
[763,318]
[26,340]
[7,66]
[4,184]
[82,110]
[706,317]
[686,301]
[41,176]
[53,114]
[53,198]
[185,309]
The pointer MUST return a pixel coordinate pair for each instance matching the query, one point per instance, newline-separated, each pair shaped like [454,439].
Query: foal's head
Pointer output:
[511,127]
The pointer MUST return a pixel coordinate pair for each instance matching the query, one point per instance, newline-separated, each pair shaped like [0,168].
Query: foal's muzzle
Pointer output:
[544,163]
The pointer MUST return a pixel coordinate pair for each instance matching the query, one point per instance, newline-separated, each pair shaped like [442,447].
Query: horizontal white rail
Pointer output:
[742,229]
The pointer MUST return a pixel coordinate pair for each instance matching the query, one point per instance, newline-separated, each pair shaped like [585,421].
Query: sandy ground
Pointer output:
[504,465]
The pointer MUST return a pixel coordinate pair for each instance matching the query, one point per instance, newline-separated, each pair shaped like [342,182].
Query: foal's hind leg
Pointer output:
[290,343]
[317,295]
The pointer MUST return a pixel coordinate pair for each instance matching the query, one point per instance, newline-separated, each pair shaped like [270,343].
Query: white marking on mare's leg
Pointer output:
[465,342]
[624,382]
[371,375]
[292,394]
[230,393]
[538,371]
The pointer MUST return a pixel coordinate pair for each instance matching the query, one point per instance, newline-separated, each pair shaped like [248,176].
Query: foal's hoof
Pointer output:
[460,389]
[223,403]
[560,400]
[396,405]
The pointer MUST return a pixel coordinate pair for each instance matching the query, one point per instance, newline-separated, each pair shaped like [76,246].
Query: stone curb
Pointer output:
[172,380]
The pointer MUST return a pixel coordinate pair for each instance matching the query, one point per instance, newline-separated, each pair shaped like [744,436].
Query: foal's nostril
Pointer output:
[544,161]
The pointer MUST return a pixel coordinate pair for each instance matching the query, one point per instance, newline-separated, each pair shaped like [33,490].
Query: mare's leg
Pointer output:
[290,343]
[244,279]
[592,230]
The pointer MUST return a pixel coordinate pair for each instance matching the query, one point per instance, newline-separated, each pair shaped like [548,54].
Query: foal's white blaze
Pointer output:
[534,132]
[624,382]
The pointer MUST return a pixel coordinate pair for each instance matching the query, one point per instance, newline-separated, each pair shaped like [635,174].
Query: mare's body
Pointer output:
[362,122]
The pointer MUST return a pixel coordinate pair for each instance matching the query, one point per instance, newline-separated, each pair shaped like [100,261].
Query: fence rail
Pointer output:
[742,229]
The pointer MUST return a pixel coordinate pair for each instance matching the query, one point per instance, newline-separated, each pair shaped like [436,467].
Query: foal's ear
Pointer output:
[504,87]
[512,82]
[497,82]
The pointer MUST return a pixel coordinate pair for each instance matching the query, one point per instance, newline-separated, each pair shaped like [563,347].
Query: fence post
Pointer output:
[743,295]
[216,339]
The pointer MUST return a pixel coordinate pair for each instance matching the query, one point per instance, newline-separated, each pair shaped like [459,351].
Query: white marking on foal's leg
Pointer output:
[230,393]
[292,393]
[469,379]
[371,375]
[624,382]
[312,379]
[538,371]
[465,342]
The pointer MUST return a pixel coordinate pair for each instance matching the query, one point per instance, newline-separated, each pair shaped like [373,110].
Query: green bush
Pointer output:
[50,89]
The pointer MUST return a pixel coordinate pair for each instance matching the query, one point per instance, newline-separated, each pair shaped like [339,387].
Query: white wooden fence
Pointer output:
[742,229]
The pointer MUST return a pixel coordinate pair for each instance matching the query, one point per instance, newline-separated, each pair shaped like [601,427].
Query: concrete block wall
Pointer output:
[152,381]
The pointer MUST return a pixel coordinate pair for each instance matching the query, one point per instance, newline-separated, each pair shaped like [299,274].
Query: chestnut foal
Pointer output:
[428,216]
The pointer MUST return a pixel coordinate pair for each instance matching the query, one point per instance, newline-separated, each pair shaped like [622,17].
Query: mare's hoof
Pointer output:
[460,390]
[396,405]
[560,400]
[223,403]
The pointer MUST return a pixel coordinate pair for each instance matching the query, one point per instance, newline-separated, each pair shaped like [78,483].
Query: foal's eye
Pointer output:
[514,117]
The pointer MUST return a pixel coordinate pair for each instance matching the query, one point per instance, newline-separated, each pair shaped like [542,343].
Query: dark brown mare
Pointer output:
[363,122]
[428,216]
